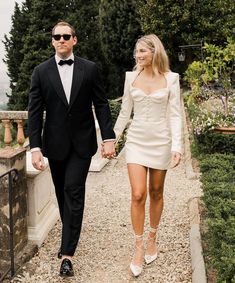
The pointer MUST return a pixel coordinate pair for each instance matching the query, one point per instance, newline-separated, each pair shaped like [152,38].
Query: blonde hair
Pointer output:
[64,24]
[160,62]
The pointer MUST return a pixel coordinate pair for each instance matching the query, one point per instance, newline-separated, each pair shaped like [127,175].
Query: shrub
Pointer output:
[115,107]
[219,216]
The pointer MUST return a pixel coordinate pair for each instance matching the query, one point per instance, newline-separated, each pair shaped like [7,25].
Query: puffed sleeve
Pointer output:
[175,113]
[126,108]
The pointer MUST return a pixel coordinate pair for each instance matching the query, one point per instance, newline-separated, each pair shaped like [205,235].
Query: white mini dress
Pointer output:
[156,127]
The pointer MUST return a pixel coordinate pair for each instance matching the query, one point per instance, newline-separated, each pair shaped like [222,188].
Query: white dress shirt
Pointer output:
[66,75]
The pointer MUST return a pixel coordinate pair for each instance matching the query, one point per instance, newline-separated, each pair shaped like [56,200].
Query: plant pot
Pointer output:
[225,130]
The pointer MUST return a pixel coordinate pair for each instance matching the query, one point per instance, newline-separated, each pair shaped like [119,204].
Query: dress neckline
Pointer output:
[163,88]
[157,90]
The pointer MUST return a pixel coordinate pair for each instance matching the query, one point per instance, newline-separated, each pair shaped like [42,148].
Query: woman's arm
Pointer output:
[126,108]
[175,115]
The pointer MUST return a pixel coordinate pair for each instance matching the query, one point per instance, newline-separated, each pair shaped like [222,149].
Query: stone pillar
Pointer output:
[42,205]
[13,158]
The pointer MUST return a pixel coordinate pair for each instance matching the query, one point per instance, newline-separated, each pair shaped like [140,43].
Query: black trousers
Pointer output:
[69,178]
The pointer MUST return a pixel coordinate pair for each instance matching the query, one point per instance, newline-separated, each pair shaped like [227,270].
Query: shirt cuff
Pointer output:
[108,140]
[35,149]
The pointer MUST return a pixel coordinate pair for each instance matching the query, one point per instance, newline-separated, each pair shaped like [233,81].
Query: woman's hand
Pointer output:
[175,159]
[108,149]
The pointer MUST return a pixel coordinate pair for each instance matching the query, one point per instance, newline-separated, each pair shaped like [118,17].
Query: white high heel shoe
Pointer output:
[150,258]
[137,269]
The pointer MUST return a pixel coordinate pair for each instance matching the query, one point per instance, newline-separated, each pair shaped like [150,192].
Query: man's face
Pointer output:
[63,47]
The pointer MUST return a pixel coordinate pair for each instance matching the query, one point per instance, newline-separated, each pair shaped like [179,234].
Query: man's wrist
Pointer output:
[109,140]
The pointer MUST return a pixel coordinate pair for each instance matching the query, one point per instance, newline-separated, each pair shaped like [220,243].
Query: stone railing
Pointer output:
[8,118]
[42,211]
[41,200]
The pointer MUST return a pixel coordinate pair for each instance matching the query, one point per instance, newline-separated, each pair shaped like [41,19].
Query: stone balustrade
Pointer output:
[8,118]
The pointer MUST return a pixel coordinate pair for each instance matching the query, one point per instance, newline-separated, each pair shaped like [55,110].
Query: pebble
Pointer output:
[106,244]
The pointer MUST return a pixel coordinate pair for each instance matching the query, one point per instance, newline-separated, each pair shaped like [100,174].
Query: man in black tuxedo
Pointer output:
[66,86]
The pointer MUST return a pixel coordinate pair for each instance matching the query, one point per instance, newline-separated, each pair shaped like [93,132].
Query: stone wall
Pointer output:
[13,158]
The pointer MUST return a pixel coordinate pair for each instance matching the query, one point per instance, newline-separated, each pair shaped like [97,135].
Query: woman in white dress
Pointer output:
[153,143]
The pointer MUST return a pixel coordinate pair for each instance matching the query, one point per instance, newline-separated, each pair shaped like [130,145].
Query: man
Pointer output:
[66,86]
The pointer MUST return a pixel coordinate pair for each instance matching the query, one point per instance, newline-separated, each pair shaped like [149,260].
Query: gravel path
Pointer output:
[105,249]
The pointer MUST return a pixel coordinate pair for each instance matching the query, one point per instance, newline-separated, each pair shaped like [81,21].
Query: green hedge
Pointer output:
[218,183]
[115,107]
[211,142]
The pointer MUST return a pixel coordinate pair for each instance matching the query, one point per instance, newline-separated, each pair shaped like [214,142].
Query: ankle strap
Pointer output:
[139,237]
[153,230]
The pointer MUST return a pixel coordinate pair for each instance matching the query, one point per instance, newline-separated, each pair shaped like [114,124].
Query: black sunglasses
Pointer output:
[58,36]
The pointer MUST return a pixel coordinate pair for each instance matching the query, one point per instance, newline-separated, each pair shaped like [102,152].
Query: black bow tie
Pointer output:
[68,62]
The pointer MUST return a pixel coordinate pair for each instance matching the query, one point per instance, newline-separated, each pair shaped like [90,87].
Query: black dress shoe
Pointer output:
[59,255]
[66,269]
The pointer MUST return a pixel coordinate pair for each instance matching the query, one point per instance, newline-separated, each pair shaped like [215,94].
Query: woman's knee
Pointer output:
[139,197]
[156,193]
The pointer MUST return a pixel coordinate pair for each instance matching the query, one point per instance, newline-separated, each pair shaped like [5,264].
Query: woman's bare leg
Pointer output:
[156,188]
[138,181]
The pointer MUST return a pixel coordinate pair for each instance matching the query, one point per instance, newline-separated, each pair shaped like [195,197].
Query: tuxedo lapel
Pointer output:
[54,77]
[78,73]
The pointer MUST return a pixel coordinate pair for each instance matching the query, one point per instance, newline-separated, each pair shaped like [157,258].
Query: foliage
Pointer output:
[106,34]
[212,100]
[213,76]
[115,107]
[215,142]
[204,120]
[14,45]
[187,22]
[204,139]
[119,30]
[84,18]
[121,143]
[193,77]
[34,43]
[211,105]
[219,198]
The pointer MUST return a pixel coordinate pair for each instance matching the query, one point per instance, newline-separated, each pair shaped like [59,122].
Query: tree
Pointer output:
[84,18]
[34,40]
[14,45]
[187,22]
[119,29]
[106,31]
[37,43]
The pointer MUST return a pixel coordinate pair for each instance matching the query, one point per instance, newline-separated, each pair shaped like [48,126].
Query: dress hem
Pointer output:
[147,165]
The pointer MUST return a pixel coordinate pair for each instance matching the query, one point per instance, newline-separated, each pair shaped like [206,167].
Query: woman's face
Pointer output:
[143,55]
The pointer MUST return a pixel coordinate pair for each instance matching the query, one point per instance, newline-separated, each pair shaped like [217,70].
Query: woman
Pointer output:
[153,139]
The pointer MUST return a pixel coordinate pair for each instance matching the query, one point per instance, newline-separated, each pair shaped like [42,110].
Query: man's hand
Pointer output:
[108,149]
[38,160]
[175,159]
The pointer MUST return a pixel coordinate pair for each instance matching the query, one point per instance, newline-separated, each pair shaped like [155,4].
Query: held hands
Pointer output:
[108,149]
[38,160]
[175,158]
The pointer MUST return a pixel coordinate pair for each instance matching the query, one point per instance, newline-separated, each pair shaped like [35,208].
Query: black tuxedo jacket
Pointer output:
[67,124]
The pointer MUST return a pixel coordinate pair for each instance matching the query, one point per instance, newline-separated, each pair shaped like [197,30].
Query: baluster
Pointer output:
[7,132]
[20,132]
